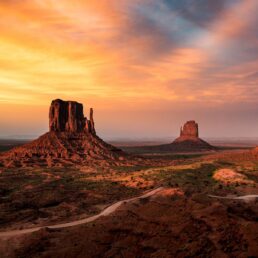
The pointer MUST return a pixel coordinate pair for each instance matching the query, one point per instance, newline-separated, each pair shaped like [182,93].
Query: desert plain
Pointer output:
[186,198]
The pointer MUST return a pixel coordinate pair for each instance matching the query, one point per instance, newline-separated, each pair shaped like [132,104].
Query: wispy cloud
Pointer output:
[141,51]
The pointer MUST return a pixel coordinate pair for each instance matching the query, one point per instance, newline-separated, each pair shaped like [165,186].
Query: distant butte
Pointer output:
[189,138]
[188,141]
[190,130]
[71,139]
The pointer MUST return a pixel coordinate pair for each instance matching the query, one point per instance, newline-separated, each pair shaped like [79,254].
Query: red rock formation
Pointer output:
[57,116]
[189,139]
[254,151]
[71,140]
[190,129]
[90,125]
[66,116]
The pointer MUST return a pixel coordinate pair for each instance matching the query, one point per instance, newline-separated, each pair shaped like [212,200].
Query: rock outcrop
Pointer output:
[67,116]
[189,138]
[190,129]
[71,139]
[188,141]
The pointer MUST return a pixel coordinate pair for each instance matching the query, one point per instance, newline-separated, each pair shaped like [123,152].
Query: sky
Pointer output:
[145,66]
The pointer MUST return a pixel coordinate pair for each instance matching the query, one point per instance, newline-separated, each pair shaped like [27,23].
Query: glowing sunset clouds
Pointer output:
[130,59]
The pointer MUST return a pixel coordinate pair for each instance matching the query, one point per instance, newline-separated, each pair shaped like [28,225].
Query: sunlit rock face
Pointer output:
[190,129]
[256,149]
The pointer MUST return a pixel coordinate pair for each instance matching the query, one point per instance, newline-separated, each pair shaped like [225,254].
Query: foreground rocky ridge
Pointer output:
[71,139]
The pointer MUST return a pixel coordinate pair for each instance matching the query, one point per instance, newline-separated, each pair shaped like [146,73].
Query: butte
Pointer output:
[189,139]
[71,140]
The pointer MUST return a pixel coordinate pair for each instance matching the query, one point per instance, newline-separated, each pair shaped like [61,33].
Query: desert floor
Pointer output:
[181,219]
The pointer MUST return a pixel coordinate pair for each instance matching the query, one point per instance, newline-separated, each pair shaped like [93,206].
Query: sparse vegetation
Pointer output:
[40,196]
[48,192]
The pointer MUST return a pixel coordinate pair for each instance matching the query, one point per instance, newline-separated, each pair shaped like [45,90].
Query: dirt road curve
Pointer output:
[105,212]
[251,197]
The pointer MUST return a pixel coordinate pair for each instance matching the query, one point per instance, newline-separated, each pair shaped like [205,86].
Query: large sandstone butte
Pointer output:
[71,139]
[67,116]
[189,138]
[190,130]
[188,141]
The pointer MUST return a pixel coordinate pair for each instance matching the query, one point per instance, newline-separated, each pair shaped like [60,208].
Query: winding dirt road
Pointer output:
[250,197]
[112,208]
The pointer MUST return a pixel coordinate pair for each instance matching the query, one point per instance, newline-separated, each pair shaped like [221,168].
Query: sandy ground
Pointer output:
[229,176]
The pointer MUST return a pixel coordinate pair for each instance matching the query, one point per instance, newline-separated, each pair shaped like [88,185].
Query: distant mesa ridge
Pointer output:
[71,139]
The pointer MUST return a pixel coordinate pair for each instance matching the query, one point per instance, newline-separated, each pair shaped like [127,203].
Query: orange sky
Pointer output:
[144,66]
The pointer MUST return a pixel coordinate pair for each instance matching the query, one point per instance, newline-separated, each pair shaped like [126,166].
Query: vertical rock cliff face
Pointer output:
[91,123]
[58,116]
[67,116]
[190,129]
[75,118]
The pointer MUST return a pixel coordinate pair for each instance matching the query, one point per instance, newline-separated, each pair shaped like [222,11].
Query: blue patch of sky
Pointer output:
[171,23]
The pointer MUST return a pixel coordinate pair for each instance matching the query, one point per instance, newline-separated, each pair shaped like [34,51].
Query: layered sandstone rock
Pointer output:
[188,141]
[189,138]
[67,116]
[190,129]
[90,125]
[71,139]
